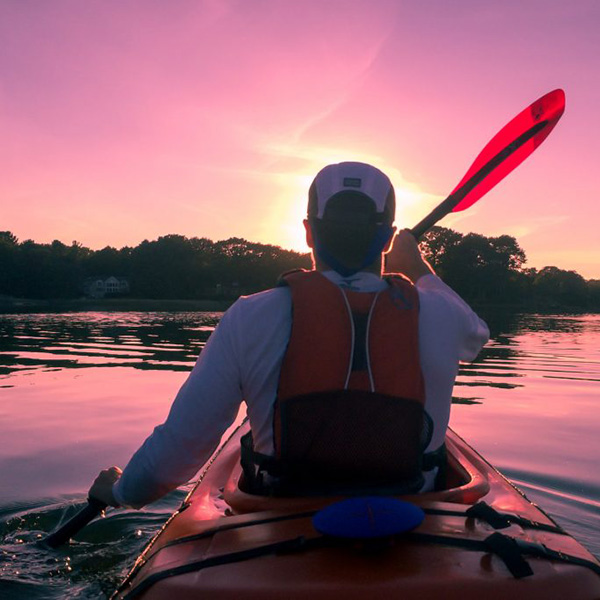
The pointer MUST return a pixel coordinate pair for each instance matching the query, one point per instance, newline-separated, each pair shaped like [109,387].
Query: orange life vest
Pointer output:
[349,413]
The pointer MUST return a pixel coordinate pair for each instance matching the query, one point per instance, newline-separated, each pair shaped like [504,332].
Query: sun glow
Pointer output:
[283,225]
[412,203]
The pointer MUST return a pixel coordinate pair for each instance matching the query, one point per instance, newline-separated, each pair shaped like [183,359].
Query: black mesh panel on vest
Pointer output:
[359,358]
[353,439]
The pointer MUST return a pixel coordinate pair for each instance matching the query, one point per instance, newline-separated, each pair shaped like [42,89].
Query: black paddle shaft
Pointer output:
[440,211]
[72,526]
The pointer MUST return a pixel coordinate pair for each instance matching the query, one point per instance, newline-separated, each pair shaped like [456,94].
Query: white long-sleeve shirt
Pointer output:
[242,360]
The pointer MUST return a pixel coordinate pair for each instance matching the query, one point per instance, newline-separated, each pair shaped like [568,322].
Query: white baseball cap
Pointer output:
[352,179]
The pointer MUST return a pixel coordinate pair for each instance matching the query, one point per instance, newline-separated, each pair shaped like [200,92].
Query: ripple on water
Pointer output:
[574,504]
[75,398]
[90,566]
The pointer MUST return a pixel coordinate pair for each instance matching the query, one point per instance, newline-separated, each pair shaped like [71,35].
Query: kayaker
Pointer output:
[390,345]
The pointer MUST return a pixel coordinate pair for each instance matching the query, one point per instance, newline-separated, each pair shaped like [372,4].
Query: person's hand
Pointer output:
[102,487]
[405,257]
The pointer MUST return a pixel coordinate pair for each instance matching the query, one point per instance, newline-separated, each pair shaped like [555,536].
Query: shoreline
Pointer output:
[24,305]
[9,305]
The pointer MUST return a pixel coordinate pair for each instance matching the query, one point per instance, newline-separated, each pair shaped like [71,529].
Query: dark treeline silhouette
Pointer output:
[171,267]
[484,270]
[491,270]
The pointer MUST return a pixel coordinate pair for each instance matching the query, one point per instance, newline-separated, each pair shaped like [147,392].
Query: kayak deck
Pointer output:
[481,536]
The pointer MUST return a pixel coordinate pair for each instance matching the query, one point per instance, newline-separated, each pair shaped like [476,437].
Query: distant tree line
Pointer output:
[484,270]
[171,267]
[491,270]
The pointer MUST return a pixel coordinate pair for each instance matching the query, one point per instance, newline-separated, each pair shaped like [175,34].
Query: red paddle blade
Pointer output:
[548,109]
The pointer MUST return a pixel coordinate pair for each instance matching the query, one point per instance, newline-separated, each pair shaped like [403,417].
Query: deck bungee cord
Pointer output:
[510,550]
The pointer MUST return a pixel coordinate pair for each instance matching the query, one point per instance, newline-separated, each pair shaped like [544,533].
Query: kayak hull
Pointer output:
[226,544]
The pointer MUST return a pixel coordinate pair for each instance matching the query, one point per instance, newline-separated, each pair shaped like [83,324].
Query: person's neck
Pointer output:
[375,268]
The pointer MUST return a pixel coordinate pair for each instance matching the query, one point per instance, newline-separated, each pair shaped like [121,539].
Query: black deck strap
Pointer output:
[501,545]
[509,551]
[500,520]
[496,519]
[541,551]
[481,511]
[443,540]
[297,544]
[490,515]
[227,527]
[292,545]
[230,526]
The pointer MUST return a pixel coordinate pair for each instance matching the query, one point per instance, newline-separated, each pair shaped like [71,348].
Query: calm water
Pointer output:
[81,391]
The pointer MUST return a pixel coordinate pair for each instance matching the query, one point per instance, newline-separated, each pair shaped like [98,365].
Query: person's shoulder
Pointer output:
[445,310]
[268,302]
[268,297]
[257,318]
[430,282]
[431,286]
[435,295]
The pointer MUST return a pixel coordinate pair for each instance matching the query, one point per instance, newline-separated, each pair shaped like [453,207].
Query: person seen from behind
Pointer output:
[346,371]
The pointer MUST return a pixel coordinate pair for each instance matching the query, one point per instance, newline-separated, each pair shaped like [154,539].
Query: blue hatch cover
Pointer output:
[368,517]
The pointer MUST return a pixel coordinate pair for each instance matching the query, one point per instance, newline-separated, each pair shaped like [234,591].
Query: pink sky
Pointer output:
[125,120]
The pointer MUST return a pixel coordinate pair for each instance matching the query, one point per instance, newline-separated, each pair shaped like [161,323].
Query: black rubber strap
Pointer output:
[230,526]
[208,533]
[508,549]
[501,543]
[498,520]
[490,515]
[287,546]
[542,551]
[481,511]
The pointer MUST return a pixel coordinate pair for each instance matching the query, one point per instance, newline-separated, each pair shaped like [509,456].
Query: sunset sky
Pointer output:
[124,120]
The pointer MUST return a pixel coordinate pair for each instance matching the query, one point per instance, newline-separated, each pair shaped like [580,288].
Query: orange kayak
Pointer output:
[481,538]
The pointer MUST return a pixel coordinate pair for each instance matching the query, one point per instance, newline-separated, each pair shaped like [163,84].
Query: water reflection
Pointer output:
[529,403]
[170,341]
[525,346]
[536,415]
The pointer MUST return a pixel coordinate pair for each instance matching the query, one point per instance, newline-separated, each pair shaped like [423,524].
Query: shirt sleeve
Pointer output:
[206,405]
[468,331]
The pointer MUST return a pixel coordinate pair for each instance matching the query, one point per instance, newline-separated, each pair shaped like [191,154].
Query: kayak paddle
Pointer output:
[72,526]
[503,153]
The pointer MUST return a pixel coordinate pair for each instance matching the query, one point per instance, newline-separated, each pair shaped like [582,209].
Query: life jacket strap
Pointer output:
[255,466]
[437,459]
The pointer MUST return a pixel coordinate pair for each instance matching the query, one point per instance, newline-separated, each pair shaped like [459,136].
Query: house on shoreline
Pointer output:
[102,287]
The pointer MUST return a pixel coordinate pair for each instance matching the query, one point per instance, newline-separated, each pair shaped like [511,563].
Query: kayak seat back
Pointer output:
[348,442]
[465,484]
